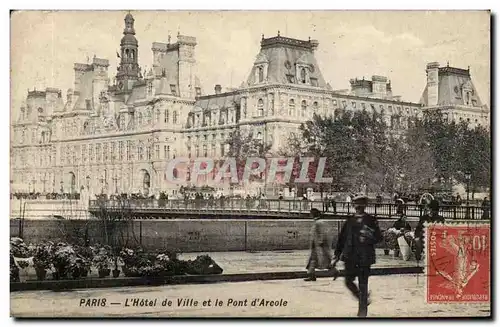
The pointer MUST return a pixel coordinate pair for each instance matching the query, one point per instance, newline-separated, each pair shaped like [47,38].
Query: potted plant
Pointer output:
[42,260]
[63,259]
[101,261]
[116,271]
[86,254]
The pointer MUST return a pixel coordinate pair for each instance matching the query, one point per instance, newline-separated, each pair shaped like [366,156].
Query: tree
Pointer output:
[244,145]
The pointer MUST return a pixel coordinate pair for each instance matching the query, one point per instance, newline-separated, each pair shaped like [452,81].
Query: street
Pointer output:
[392,296]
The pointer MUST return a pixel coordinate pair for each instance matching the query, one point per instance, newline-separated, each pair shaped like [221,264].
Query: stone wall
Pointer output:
[189,235]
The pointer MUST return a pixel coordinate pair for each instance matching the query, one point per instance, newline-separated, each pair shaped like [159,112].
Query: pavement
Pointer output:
[259,262]
[278,261]
[392,296]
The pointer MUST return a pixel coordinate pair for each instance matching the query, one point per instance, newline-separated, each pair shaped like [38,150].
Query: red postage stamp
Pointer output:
[458,263]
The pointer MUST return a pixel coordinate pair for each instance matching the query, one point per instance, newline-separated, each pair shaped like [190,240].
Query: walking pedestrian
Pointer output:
[320,257]
[356,248]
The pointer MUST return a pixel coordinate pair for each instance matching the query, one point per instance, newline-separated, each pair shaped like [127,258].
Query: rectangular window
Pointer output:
[105,152]
[381,107]
[76,154]
[334,102]
[61,157]
[165,115]
[157,151]
[120,150]
[122,121]
[84,153]
[113,151]
[128,150]
[91,153]
[140,152]
[98,152]
[353,104]
[344,104]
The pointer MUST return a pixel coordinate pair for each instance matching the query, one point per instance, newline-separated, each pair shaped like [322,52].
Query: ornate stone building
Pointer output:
[116,133]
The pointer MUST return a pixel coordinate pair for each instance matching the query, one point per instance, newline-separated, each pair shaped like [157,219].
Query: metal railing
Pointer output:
[291,207]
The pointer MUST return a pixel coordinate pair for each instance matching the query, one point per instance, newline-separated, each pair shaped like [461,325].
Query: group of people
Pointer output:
[355,245]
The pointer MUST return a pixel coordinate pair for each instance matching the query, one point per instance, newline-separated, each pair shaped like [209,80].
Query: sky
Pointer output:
[44,45]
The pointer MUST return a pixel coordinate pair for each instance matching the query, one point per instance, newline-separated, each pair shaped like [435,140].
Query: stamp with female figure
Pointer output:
[457,263]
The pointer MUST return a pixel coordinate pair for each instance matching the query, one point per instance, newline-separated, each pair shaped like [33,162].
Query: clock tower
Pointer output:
[128,70]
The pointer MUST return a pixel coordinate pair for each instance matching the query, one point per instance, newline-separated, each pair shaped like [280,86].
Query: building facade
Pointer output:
[116,133]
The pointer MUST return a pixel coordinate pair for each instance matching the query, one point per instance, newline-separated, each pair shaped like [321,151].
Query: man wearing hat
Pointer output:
[320,256]
[356,247]
[433,217]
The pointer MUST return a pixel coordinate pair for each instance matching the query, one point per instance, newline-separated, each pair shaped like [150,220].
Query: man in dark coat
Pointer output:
[356,247]
[433,217]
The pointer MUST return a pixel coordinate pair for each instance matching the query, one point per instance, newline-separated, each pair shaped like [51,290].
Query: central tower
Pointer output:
[128,70]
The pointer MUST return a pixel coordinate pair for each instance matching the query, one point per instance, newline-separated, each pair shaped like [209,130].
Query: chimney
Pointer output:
[432,83]
[218,89]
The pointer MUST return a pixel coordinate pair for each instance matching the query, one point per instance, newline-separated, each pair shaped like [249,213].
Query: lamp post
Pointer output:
[467,210]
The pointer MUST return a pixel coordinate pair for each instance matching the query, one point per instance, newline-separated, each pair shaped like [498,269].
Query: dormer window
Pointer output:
[173,89]
[150,88]
[303,76]
[261,66]
[302,71]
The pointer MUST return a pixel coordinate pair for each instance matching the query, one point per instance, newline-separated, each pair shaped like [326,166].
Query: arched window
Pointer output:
[261,74]
[127,55]
[291,107]
[132,53]
[174,117]
[303,107]
[157,119]
[165,113]
[260,108]
[315,107]
[303,75]
[259,136]
[148,117]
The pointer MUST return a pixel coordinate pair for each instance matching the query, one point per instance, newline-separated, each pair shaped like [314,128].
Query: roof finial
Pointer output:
[168,39]
[262,36]
[447,64]
[278,32]
[468,68]
[309,39]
